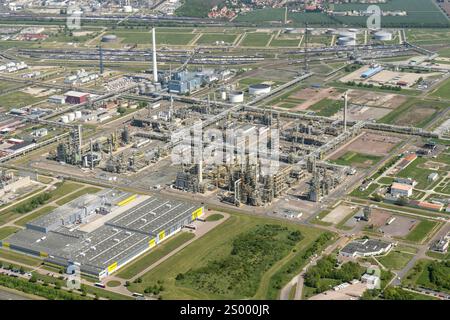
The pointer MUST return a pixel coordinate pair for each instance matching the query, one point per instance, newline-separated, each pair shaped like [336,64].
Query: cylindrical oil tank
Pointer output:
[236,96]
[347,34]
[109,38]
[64,119]
[77,114]
[383,36]
[71,116]
[223,95]
[257,89]
[346,41]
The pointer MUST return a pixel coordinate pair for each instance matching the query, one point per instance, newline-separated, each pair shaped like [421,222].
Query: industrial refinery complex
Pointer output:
[150,154]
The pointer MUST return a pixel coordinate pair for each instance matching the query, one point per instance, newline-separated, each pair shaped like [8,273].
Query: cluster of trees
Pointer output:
[327,268]
[32,287]
[155,289]
[252,254]
[439,274]
[286,273]
[33,203]
[371,85]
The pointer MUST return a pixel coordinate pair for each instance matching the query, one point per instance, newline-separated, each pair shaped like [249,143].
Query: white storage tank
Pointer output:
[223,95]
[64,119]
[346,41]
[257,89]
[77,114]
[347,34]
[383,36]
[236,96]
[71,116]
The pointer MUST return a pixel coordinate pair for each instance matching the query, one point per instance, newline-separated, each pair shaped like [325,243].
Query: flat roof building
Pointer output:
[365,248]
[102,232]
[401,190]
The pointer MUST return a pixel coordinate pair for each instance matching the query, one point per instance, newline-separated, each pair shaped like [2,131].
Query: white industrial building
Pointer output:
[401,190]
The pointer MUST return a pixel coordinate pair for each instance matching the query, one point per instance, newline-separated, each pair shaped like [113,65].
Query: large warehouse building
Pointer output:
[102,232]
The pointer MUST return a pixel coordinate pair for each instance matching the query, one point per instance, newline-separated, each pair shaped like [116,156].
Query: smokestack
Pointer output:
[345,111]
[155,68]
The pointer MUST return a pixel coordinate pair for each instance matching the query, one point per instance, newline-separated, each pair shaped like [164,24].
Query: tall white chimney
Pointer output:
[155,68]
[345,111]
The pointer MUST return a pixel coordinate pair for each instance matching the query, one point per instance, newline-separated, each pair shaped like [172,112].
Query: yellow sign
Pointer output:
[127,200]
[161,235]
[152,243]
[112,267]
[6,244]
[197,213]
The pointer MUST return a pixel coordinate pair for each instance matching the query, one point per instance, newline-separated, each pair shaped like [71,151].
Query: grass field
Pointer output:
[414,112]
[211,38]
[255,39]
[397,259]
[327,107]
[284,42]
[154,255]
[357,159]
[443,91]
[214,217]
[7,231]
[20,258]
[416,171]
[421,231]
[213,246]
[18,99]
[196,8]
[144,37]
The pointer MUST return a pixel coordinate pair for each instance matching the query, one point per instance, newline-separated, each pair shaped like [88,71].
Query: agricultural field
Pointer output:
[222,247]
[414,112]
[197,8]
[420,14]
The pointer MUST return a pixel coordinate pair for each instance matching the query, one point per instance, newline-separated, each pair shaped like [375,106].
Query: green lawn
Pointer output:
[36,214]
[214,217]
[395,260]
[64,188]
[19,257]
[7,231]
[284,42]
[255,40]
[443,91]
[351,158]
[211,38]
[421,231]
[162,38]
[155,254]
[327,107]
[18,99]
[213,246]
[416,171]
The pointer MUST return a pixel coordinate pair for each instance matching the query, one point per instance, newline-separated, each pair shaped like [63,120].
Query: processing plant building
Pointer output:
[102,232]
